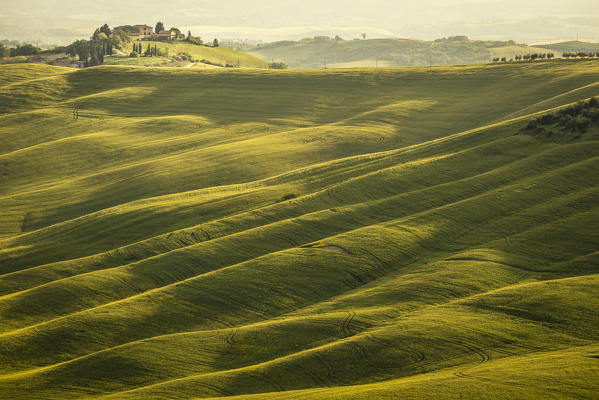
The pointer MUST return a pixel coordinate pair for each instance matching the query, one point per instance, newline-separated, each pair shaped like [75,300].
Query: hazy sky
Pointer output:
[522,20]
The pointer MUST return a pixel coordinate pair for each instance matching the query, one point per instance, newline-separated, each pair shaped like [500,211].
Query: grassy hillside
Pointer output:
[310,53]
[218,55]
[572,46]
[215,55]
[339,234]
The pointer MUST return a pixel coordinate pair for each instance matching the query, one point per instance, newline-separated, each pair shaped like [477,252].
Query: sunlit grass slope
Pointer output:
[572,46]
[356,234]
[216,55]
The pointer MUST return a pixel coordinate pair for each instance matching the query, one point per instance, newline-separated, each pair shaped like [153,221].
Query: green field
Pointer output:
[310,53]
[218,55]
[320,234]
[572,46]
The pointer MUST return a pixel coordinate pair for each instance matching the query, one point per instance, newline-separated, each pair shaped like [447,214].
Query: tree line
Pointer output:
[535,56]
[149,51]
[581,54]
[527,57]
[548,56]
[20,50]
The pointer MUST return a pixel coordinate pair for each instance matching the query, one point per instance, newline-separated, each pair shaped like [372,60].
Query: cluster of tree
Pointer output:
[278,65]
[10,43]
[102,43]
[91,52]
[182,56]
[581,54]
[37,43]
[20,50]
[577,119]
[148,52]
[227,65]
[204,61]
[193,39]
[535,56]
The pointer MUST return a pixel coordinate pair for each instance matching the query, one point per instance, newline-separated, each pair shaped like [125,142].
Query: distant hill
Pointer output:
[316,53]
[211,56]
[573,45]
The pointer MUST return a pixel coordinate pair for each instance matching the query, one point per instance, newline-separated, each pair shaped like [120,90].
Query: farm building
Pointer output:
[166,35]
[137,31]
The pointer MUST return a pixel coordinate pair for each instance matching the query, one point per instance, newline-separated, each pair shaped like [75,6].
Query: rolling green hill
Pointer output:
[338,234]
[309,53]
[571,46]
[215,55]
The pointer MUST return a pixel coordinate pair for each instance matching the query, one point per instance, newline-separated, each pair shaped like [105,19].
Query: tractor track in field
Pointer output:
[364,356]
[345,325]
[462,374]
[230,338]
[418,355]
[266,381]
[315,377]
[214,388]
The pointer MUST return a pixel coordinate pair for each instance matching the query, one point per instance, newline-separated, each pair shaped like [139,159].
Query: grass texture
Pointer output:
[216,55]
[322,234]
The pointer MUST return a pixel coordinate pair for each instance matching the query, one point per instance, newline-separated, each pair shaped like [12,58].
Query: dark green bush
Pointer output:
[576,118]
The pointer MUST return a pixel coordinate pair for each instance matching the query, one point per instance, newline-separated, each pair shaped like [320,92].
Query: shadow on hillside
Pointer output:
[225,98]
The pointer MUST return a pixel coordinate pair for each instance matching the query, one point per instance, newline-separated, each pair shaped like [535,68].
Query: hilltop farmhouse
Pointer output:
[146,32]
[137,31]
[166,35]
